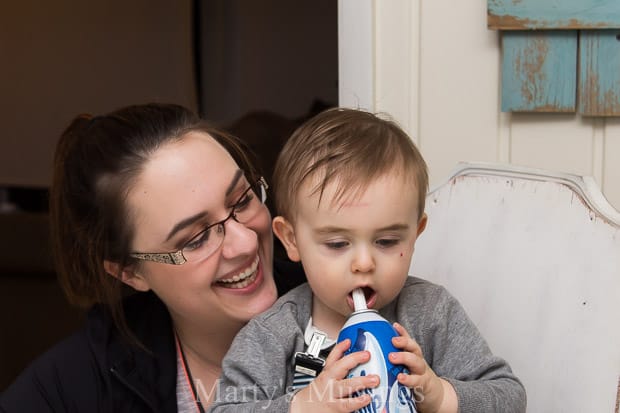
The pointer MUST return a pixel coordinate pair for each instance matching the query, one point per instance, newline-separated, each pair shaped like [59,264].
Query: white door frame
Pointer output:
[356,77]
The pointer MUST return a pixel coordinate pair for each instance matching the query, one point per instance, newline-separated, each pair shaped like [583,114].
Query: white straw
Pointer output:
[359,300]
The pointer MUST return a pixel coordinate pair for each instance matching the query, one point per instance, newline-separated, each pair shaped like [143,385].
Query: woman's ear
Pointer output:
[128,275]
[286,233]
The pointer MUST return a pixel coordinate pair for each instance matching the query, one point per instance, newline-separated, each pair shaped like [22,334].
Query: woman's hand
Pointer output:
[432,394]
[331,391]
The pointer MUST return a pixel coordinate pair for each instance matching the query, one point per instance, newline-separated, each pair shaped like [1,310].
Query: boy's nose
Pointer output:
[363,261]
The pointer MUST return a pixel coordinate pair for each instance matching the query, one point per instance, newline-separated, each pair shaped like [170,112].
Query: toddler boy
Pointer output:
[350,190]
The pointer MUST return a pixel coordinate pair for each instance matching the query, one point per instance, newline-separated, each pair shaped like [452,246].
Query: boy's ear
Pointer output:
[286,233]
[422,223]
[128,275]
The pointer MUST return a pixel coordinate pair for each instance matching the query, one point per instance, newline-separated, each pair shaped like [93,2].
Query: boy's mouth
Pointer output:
[370,295]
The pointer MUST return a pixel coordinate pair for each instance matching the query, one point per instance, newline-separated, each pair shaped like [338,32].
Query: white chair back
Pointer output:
[534,257]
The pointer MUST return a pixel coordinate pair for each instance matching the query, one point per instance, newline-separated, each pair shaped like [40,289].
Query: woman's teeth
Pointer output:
[243,279]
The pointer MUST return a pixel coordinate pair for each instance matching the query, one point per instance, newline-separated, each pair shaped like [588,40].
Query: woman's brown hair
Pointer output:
[96,162]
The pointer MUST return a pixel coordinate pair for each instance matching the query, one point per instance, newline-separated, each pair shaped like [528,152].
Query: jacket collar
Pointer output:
[133,374]
[147,374]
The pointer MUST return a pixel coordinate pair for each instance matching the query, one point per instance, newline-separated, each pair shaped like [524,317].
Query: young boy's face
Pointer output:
[363,242]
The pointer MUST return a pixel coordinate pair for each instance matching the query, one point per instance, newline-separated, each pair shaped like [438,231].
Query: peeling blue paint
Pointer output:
[599,73]
[553,14]
[539,71]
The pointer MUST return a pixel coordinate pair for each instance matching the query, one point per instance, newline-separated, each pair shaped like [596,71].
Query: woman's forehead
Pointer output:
[193,153]
[181,179]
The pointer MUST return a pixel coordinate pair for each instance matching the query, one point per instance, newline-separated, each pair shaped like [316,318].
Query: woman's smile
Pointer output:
[242,279]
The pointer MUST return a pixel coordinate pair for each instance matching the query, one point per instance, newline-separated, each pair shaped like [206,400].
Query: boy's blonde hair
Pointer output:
[351,148]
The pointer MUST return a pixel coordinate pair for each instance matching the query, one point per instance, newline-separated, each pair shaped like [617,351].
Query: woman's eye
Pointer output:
[387,242]
[198,241]
[244,201]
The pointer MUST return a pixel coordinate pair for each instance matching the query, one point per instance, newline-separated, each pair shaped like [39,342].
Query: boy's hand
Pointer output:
[432,394]
[330,391]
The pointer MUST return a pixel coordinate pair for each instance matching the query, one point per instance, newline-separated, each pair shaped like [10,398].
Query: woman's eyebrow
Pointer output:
[234,181]
[185,223]
[201,215]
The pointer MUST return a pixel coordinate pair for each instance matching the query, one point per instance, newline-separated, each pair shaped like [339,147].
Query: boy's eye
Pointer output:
[336,245]
[387,242]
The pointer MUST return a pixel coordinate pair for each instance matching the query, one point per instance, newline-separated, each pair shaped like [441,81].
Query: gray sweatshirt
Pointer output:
[258,369]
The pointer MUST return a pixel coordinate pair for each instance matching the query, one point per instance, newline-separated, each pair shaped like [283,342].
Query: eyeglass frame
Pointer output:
[177,257]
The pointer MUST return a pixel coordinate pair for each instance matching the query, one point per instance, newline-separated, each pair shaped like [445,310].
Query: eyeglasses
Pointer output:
[209,240]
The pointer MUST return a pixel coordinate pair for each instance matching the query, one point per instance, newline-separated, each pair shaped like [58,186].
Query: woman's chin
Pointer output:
[262,300]
[251,297]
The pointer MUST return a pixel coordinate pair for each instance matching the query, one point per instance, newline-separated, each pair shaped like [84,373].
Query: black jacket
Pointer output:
[95,370]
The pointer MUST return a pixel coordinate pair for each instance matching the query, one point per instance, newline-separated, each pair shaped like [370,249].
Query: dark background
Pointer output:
[257,69]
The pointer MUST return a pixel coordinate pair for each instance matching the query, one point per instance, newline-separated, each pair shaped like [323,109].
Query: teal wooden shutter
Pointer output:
[559,56]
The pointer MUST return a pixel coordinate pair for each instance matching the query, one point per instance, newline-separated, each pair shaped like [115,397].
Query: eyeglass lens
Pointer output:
[209,240]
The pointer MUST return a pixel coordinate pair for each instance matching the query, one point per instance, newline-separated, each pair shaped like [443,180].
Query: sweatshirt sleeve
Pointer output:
[456,351]
[254,371]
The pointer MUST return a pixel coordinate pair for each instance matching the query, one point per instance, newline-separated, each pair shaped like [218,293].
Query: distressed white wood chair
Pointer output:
[534,257]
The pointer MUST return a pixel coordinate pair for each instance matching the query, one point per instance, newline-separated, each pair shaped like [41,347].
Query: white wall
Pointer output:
[435,67]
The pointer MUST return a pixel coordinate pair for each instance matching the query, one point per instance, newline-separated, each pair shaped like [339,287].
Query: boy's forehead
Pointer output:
[344,192]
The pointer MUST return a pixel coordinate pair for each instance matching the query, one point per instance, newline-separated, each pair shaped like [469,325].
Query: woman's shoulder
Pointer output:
[64,374]
[76,370]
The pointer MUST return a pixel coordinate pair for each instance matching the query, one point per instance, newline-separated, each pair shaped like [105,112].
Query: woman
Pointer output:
[152,200]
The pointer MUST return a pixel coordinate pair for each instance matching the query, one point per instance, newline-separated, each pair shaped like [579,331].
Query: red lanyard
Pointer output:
[188,376]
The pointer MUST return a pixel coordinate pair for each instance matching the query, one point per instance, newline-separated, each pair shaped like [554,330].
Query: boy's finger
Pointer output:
[351,404]
[347,387]
[409,380]
[405,342]
[413,362]
[337,352]
[401,330]
[408,345]
[340,368]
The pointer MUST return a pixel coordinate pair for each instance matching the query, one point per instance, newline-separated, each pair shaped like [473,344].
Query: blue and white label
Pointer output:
[376,337]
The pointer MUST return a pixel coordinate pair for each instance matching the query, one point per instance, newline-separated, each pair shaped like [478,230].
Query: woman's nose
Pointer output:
[363,261]
[238,239]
